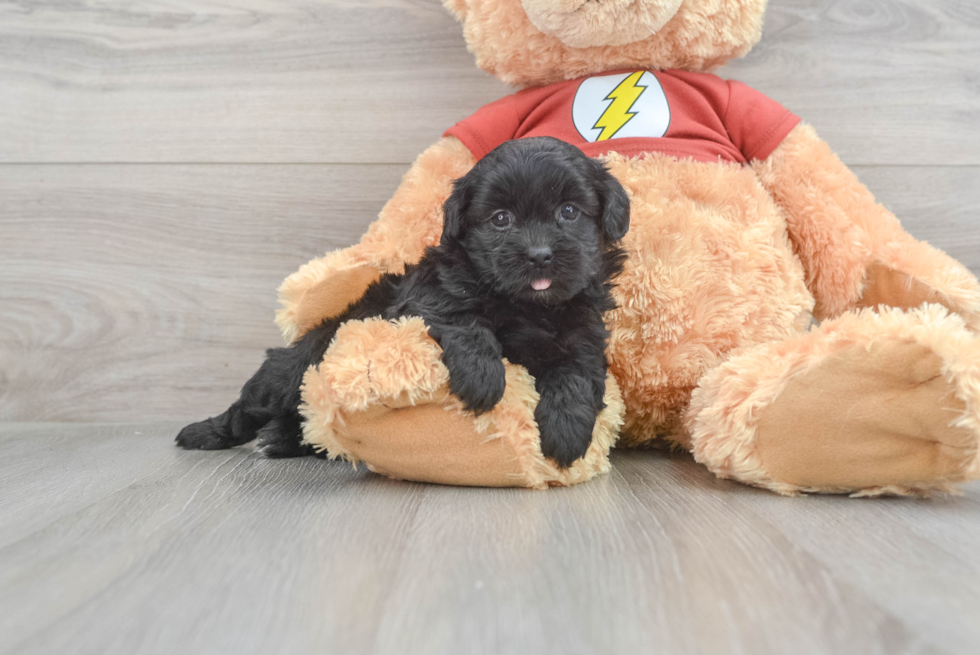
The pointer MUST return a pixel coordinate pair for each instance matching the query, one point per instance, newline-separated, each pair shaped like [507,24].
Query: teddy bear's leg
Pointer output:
[854,251]
[868,403]
[408,223]
[380,396]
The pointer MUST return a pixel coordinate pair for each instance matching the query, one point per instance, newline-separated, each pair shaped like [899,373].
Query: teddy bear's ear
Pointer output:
[454,211]
[615,204]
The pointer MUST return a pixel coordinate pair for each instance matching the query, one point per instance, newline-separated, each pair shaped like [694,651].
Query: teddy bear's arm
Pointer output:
[381,396]
[854,251]
[408,223]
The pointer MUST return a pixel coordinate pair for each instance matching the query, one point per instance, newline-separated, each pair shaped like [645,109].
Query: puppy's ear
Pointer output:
[615,204]
[454,211]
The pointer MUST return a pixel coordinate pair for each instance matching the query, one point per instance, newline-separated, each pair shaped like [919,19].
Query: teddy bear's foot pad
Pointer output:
[880,415]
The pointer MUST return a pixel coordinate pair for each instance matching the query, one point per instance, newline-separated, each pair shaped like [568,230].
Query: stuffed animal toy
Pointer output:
[772,318]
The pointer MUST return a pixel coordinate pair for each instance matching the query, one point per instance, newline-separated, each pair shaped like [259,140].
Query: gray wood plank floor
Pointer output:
[114,541]
[164,165]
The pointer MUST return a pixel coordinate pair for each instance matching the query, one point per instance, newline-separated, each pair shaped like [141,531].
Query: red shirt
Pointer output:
[633,112]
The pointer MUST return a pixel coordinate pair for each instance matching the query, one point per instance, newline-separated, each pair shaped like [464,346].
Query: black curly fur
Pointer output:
[474,291]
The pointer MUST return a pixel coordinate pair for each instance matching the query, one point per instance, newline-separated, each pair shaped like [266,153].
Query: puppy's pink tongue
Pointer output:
[541,285]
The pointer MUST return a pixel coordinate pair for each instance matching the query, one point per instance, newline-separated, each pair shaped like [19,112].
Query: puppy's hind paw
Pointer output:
[282,437]
[203,435]
[279,450]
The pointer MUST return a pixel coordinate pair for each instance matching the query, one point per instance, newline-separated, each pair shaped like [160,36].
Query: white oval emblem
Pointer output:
[620,106]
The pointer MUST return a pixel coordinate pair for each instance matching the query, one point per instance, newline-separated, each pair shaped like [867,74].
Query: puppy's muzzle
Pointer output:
[539,259]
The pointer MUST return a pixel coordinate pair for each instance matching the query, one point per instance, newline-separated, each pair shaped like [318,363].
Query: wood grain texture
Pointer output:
[228,552]
[884,81]
[248,81]
[147,292]
[937,204]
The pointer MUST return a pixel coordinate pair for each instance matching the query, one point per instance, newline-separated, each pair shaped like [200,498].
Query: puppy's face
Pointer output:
[535,217]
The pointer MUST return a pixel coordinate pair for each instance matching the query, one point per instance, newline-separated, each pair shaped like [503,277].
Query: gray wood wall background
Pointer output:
[163,165]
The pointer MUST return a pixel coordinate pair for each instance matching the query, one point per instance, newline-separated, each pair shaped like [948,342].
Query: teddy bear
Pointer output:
[772,318]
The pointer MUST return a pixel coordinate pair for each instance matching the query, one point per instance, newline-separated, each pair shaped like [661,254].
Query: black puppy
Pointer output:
[523,270]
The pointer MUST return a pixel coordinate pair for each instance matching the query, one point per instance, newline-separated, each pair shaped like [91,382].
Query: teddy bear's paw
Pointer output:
[324,299]
[390,363]
[868,403]
[878,416]
[323,288]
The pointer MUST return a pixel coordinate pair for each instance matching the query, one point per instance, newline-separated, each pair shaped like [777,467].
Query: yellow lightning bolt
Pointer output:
[618,113]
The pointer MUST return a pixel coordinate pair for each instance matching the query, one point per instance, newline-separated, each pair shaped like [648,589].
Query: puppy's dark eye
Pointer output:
[501,220]
[568,213]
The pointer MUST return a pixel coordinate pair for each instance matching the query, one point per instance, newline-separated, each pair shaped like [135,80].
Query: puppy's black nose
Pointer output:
[539,256]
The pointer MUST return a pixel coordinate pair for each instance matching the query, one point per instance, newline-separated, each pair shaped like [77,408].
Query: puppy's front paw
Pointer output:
[563,438]
[473,357]
[478,382]
[565,419]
